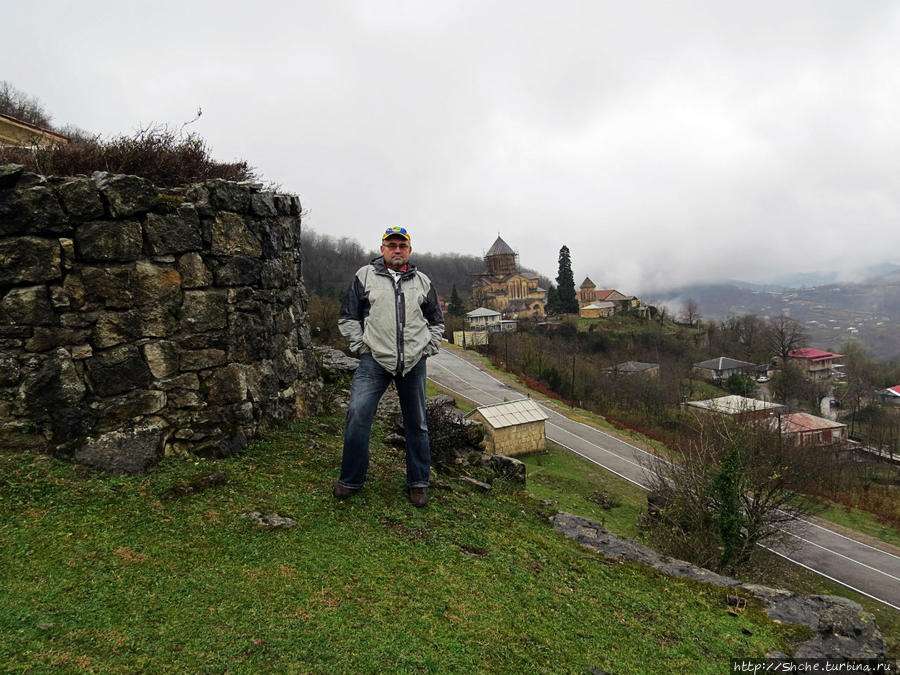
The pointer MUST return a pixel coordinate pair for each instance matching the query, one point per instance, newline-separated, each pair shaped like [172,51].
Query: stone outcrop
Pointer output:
[841,628]
[137,321]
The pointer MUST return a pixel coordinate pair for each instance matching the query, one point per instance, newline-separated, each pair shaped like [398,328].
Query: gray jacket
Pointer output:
[399,322]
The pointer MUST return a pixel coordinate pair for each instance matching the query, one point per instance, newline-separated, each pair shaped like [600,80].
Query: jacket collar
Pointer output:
[381,267]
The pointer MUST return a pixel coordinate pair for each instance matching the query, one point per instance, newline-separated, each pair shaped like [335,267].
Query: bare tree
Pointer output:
[784,335]
[18,104]
[734,487]
[692,312]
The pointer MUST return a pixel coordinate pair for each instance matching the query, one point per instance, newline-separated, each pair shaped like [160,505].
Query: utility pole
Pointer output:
[573,379]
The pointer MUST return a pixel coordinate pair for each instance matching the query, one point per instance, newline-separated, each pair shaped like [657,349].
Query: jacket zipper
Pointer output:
[398,314]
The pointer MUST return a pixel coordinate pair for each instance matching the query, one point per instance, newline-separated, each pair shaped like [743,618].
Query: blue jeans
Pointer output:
[369,383]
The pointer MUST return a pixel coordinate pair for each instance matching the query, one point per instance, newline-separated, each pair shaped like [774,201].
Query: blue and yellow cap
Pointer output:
[395,232]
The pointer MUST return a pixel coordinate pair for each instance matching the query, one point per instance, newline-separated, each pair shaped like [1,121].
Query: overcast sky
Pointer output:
[663,142]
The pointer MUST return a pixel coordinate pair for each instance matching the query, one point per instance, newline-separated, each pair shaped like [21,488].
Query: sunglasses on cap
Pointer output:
[395,232]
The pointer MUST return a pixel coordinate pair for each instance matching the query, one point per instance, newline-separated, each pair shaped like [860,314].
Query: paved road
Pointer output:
[861,567]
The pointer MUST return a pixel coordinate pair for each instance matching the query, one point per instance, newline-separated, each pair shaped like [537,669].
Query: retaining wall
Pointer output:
[137,321]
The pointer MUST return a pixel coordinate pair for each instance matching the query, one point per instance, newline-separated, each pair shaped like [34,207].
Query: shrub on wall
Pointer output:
[157,153]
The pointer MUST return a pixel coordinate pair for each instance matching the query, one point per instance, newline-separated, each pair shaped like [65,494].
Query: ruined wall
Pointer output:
[137,321]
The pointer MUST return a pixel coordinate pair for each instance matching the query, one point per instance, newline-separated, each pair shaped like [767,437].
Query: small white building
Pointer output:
[513,427]
[483,319]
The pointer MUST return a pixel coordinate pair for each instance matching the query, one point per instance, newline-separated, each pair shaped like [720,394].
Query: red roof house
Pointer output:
[815,363]
[805,429]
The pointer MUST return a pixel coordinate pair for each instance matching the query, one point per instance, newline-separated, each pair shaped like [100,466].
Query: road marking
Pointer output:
[602,466]
[599,447]
[841,555]
[844,536]
[827,576]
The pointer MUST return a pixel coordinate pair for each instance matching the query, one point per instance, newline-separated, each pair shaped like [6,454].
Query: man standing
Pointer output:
[392,319]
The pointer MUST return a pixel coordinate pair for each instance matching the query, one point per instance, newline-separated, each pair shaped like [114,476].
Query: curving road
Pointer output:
[859,566]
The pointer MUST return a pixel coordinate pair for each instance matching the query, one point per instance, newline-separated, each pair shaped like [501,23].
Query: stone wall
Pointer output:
[519,439]
[137,321]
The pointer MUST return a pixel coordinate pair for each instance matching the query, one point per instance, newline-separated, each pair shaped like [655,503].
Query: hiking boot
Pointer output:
[342,491]
[418,496]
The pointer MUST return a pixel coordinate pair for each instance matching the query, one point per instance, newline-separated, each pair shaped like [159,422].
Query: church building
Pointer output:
[504,288]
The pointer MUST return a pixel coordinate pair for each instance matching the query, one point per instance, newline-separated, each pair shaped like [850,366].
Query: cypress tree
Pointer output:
[552,306]
[455,308]
[568,303]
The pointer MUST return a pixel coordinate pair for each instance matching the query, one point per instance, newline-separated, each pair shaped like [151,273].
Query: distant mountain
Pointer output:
[831,313]
[868,274]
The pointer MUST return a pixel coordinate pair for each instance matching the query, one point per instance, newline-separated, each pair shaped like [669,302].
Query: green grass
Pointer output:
[101,574]
[566,479]
[856,519]
[571,483]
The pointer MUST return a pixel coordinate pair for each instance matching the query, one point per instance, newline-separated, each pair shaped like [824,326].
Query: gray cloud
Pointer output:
[662,142]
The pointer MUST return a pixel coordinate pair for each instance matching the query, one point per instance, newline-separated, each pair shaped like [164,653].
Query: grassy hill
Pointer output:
[102,573]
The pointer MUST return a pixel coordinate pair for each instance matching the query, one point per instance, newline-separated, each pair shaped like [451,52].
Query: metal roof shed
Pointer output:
[513,428]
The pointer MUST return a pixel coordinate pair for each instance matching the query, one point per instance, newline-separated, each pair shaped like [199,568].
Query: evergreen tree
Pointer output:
[568,303]
[455,308]
[552,306]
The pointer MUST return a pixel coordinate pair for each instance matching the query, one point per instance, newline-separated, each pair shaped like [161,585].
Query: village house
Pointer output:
[593,304]
[483,319]
[503,287]
[633,368]
[16,133]
[722,368]
[738,408]
[803,429]
[890,396]
[513,427]
[815,363]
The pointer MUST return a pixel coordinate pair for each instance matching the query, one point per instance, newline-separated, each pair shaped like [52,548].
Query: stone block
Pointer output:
[263,204]
[78,319]
[28,306]
[132,404]
[135,448]
[204,310]
[59,299]
[227,385]
[114,328]
[183,381]
[49,383]
[29,260]
[111,286]
[126,195]
[175,232]
[184,398]
[161,358]
[46,338]
[194,272]
[156,284]
[274,275]
[248,339]
[67,246]
[10,174]
[76,293]
[157,321]
[9,368]
[201,359]
[31,210]
[238,270]
[81,199]
[229,196]
[117,370]
[104,241]
[230,236]
[282,204]
[84,351]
